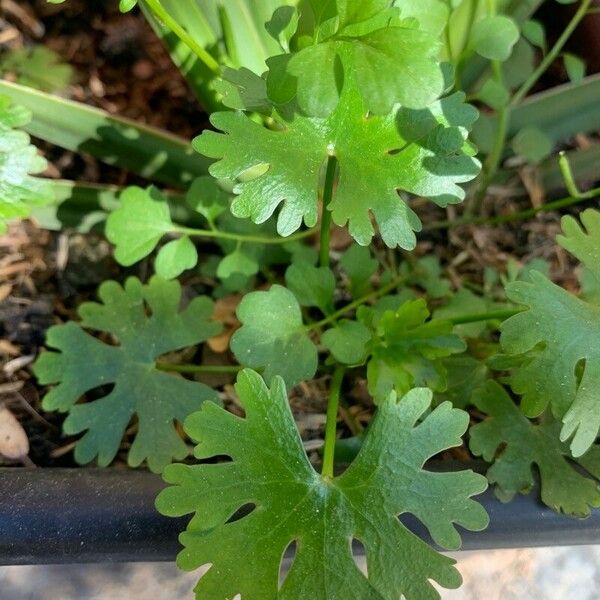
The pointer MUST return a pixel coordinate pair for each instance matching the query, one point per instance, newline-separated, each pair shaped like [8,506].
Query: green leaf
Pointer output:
[427,273]
[127,5]
[312,286]
[569,330]
[432,15]
[273,338]
[141,149]
[493,37]
[238,262]
[270,470]
[38,67]
[207,198]
[139,224]
[583,241]
[390,65]
[464,301]
[420,152]
[176,257]
[514,445]
[532,144]
[574,66]
[534,32]
[407,349]
[243,90]
[20,191]
[84,363]
[283,25]
[359,266]
[494,94]
[465,375]
[347,341]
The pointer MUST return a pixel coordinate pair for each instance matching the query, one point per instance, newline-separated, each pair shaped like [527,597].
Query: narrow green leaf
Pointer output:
[144,150]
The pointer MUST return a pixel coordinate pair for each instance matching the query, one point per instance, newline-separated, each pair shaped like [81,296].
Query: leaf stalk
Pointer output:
[331,423]
[325,241]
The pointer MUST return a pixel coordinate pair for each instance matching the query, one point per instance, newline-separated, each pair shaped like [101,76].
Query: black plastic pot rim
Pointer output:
[60,516]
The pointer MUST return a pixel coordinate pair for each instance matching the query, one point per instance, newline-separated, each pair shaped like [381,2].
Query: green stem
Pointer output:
[198,368]
[325,241]
[331,423]
[500,315]
[492,162]
[238,237]
[382,291]
[553,53]
[518,216]
[159,10]
[570,183]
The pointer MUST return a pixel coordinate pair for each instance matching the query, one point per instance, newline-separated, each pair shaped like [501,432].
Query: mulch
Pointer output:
[123,68]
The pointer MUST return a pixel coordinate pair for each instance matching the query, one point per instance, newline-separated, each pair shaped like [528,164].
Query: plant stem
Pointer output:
[238,237]
[501,315]
[493,159]
[159,10]
[382,291]
[518,216]
[553,53]
[198,368]
[331,423]
[326,214]
[570,183]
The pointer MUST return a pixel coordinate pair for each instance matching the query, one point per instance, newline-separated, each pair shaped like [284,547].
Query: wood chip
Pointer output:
[13,439]
[16,364]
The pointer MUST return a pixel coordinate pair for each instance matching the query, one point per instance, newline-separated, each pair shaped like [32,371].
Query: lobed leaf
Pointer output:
[514,445]
[83,363]
[406,350]
[269,469]
[20,191]
[419,152]
[562,331]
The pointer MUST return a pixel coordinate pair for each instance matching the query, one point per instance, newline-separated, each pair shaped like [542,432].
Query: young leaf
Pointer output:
[207,198]
[312,286]
[494,36]
[19,161]
[407,349]
[139,224]
[532,144]
[359,266]
[270,470]
[237,263]
[176,257]
[37,67]
[514,444]
[156,398]
[420,152]
[368,42]
[272,336]
[347,341]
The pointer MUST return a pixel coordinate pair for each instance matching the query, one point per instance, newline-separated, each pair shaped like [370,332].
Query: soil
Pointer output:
[121,67]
